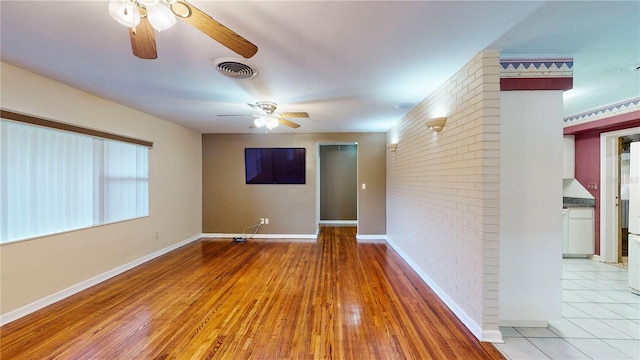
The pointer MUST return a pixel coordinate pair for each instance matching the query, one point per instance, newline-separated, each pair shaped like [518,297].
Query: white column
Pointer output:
[531,164]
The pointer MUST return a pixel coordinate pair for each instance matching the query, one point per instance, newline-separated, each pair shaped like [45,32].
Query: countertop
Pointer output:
[568,202]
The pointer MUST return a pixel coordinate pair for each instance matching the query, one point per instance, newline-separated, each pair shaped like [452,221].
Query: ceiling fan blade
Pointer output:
[295,114]
[218,32]
[288,123]
[143,40]
[255,106]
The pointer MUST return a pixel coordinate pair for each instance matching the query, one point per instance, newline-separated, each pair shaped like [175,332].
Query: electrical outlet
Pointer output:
[410,237]
[262,221]
[266,221]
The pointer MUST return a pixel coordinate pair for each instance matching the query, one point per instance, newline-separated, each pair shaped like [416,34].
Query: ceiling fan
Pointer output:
[143,16]
[270,119]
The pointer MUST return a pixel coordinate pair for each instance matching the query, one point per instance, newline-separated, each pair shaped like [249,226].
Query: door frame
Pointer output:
[319,169]
[609,183]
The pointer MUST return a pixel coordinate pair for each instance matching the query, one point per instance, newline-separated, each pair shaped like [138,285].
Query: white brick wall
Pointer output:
[443,191]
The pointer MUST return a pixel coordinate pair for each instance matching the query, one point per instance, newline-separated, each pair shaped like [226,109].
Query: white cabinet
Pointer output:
[569,157]
[580,232]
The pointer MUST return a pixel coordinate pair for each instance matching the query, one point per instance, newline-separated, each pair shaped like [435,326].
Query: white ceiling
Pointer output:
[349,64]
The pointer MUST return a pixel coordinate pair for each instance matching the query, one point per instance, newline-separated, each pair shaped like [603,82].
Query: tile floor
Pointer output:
[600,318]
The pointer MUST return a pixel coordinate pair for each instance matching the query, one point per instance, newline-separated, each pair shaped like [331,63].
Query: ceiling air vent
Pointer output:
[235,69]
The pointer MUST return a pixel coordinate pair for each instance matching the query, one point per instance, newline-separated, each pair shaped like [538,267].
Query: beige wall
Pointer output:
[443,192]
[229,205]
[33,269]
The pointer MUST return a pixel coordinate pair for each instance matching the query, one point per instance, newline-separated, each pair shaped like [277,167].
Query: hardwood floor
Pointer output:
[334,299]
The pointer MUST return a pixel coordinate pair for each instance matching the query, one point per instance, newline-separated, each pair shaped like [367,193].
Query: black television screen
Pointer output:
[275,165]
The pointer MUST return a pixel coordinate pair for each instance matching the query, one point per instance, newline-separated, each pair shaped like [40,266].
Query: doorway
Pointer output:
[625,181]
[614,177]
[338,184]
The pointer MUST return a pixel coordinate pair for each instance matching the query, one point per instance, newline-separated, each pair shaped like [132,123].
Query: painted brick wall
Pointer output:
[443,192]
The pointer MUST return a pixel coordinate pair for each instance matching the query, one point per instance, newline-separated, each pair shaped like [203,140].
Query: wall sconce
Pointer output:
[392,147]
[436,124]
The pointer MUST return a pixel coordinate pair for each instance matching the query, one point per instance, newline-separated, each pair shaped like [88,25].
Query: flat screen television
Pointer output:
[275,165]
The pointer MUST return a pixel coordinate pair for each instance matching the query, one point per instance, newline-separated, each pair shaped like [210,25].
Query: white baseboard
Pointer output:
[62,294]
[289,237]
[492,336]
[475,328]
[371,238]
[339,222]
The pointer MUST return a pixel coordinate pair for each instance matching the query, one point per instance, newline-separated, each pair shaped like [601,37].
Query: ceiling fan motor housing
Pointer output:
[267,106]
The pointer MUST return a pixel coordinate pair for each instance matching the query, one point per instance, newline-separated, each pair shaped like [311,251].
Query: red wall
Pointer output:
[588,170]
[587,140]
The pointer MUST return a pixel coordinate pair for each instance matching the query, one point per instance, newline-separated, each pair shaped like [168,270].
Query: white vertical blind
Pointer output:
[125,181]
[53,181]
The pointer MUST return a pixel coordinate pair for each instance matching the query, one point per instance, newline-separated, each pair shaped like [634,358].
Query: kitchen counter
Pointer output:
[568,202]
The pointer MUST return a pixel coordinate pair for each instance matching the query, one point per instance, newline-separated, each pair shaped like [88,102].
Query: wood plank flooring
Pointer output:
[334,299]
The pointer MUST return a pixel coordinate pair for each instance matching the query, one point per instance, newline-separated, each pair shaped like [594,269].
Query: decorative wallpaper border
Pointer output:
[624,107]
[536,68]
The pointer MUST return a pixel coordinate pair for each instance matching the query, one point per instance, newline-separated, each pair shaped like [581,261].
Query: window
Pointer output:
[53,181]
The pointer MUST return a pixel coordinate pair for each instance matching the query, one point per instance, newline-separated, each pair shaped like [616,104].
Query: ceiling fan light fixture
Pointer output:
[260,121]
[272,122]
[148,3]
[160,17]
[125,12]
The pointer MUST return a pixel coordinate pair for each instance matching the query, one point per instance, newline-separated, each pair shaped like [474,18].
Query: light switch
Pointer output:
[364,186]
